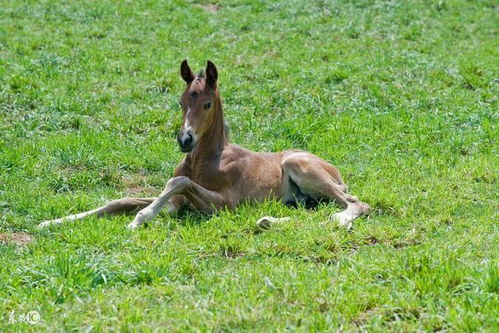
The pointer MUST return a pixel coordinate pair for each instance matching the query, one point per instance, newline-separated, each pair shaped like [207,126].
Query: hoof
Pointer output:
[45,224]
[365,208]
[133,226]
[264,223]
[267,221]
[345,220]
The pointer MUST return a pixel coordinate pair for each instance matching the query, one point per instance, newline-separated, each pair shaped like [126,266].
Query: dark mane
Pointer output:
[227,130]
[201,74]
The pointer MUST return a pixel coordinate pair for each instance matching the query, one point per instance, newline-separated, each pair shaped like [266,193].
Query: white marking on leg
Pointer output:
[153,209]
[346,217]
[70,218]
[146,214]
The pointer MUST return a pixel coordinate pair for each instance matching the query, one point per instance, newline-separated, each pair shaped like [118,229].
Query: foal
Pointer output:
[215,174]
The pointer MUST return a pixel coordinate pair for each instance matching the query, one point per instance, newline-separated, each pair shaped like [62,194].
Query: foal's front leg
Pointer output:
[199,197]
[115,207]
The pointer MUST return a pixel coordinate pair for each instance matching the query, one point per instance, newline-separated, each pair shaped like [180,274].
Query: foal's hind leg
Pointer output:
[320,180]
[115,207]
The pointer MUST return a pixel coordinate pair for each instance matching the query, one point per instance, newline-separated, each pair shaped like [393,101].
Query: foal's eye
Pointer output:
[207,106]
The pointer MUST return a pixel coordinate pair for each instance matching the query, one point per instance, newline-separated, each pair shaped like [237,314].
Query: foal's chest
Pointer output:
[208,175]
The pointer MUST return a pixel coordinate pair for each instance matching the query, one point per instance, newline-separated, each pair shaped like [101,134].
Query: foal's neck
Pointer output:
[213,142]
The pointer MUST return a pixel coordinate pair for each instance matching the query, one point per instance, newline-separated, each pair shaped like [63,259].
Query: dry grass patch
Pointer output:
[16,238]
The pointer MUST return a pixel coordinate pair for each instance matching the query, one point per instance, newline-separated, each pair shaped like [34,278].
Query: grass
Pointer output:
[401,96]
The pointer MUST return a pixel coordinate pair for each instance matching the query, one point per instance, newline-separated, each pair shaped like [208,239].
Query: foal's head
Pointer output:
[199,103]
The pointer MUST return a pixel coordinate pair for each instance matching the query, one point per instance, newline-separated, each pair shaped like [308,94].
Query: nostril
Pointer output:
[185,139]
[188,139]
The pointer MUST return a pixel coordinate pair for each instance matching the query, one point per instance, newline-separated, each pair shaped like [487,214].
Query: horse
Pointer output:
[216,174]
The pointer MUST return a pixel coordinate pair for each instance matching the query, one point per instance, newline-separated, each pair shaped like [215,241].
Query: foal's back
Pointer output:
[256,176]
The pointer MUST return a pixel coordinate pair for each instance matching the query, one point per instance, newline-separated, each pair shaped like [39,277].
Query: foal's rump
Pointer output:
[311,161]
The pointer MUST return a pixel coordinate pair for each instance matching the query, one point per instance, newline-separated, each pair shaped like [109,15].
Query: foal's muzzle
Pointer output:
[186,140]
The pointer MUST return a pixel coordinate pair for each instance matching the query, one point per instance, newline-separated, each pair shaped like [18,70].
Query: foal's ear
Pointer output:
[211,74]
[186,72]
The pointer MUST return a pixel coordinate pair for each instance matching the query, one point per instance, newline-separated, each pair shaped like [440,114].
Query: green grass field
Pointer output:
[402,96]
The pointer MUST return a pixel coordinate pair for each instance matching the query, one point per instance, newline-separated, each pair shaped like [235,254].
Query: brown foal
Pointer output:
[215,174]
